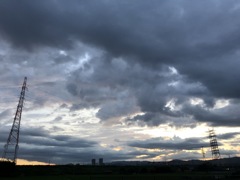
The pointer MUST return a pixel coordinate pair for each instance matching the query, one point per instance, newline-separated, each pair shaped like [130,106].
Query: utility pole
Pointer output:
[11,147]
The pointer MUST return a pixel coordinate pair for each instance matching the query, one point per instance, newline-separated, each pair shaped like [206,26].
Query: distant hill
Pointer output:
[234,161]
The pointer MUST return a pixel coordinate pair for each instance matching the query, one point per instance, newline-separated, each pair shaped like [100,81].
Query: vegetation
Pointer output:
[79,172]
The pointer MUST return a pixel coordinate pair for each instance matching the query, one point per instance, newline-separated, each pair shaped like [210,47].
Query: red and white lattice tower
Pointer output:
[11,147]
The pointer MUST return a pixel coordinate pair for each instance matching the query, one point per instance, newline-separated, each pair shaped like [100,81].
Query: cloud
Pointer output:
[171,34]
[38,144]
[131,63]
[43,138]
[174,144]
[149,118]
[226,116]
[163,94]
[6,113]
[227,136]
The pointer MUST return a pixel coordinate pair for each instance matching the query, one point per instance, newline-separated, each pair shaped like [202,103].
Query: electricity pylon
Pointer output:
[11,147]
[203,153]
[214,145]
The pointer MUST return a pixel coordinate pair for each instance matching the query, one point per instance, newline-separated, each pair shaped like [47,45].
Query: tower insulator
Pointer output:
[11,147]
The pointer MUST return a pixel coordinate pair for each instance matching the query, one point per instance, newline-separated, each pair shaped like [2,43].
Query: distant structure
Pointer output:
[203,153]
[100,161]
[11,147]
[214,145]
[93,162]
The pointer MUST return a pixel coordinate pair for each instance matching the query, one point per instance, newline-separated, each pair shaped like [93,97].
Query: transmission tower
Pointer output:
[203,153]
[214,145]
[11,147]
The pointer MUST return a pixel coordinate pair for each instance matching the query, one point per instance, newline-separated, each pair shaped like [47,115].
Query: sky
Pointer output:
[120,80]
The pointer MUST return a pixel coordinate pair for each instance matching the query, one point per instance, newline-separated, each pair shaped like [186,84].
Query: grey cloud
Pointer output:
[183,155]
[72,88]
[227,116]
[160,35]
[120,88]
[116,109]
[42,146]
[66,155]
[26,23]
[151,119]
[4,134]
[5,113]
[150,90]
[57,119]
[33,132]
[38,144]
[219,75]
[75,155]
[227,135]
[64,105]
[141,154]
[148,60]
[44,139]
[39,137]
[228,153]
[158,143]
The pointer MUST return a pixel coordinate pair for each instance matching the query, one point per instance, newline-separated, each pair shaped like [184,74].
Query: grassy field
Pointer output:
[172,176]
[77,172]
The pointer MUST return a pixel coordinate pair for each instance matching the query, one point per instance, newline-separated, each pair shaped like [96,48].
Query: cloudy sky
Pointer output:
[120,80]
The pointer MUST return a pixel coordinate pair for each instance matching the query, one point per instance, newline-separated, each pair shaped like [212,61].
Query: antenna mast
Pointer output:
[11,147]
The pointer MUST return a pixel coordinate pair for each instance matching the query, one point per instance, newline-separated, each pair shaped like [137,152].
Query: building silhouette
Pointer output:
[100,161]
[93,162]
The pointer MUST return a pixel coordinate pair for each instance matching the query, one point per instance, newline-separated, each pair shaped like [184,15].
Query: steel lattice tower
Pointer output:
[203,153]
[214,145]
[11,147]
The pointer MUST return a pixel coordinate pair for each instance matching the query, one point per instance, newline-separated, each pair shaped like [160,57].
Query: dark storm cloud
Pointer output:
[132,87]
[28,24]
[34,132]
[158,143]
[160,34]
[227,135]
[141,40]
[121,88]
[42,138]
[53,154]
[228,116]
[38,145]
[69,155]
[151,119]
[38,137]
[4,134]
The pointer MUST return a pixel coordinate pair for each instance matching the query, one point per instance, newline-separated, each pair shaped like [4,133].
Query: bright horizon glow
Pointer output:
[27,162]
